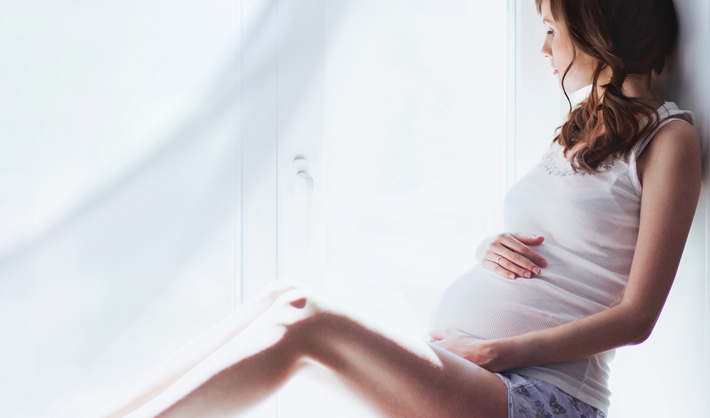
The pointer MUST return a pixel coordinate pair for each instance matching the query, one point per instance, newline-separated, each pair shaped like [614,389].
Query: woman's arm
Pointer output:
[671,186]
[614,327]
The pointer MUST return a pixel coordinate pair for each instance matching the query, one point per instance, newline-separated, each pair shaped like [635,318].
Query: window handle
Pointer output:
[304,180]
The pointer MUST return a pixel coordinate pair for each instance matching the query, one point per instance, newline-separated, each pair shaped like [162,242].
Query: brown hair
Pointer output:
[630,37]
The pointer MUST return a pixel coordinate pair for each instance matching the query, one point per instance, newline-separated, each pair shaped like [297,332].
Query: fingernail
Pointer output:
[544,263]
[527,274]
[512,276]
[536,270]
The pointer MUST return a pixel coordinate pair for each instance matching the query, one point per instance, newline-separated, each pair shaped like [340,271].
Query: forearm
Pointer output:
[576,340]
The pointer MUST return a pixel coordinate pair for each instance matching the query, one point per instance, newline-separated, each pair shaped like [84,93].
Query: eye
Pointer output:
[550,31]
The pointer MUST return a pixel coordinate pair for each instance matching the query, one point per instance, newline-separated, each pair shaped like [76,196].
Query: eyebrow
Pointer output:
[547,22]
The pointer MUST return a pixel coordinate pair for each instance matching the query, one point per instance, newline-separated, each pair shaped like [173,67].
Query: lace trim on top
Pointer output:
[556,164]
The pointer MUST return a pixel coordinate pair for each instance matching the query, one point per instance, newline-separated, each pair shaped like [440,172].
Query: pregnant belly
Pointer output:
[488,306]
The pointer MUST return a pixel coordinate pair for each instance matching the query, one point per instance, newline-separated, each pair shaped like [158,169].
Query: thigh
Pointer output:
[400,375]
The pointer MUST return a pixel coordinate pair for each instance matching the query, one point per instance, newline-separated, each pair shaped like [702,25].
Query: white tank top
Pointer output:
[590,224]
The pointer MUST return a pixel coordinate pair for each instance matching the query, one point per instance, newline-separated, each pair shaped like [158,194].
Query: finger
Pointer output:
[516,263]
[452,331]
[438,334]
[503,261]
[497,269]
[527,238]
[509,247]
[522,249]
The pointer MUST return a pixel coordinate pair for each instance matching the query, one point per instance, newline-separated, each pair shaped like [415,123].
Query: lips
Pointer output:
[555,71]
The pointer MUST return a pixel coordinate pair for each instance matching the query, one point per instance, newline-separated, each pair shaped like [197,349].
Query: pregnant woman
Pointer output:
[530,331]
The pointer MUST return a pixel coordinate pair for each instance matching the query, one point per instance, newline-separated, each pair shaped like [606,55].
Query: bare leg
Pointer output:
[195,351]
[398,375]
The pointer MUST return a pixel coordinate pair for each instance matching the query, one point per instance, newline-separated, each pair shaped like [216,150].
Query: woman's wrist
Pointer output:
[506,353]
[493,355]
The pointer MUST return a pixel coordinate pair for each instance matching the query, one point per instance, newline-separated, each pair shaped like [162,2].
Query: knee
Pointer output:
[291,316]
[294,306]
[306,314]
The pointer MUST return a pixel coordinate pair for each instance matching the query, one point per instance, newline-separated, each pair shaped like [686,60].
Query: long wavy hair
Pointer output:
[630,37]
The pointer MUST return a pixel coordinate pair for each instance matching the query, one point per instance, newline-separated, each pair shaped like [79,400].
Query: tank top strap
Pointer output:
[667,113]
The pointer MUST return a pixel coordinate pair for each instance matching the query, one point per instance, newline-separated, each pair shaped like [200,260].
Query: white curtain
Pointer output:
[119,196]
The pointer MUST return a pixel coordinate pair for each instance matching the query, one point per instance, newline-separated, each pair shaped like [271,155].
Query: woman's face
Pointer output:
[558,48]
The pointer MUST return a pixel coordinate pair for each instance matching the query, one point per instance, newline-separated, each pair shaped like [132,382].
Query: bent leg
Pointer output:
[400,376]
[196,350]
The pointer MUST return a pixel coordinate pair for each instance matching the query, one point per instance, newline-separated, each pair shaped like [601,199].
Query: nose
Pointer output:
[546,51]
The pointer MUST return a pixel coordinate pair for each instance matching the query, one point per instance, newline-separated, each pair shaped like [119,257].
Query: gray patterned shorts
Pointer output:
[532,398]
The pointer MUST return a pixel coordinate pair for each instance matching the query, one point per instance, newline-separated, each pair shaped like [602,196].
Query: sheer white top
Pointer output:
[590,223]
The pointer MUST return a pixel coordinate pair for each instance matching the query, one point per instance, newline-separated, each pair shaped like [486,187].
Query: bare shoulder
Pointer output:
[676,148]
